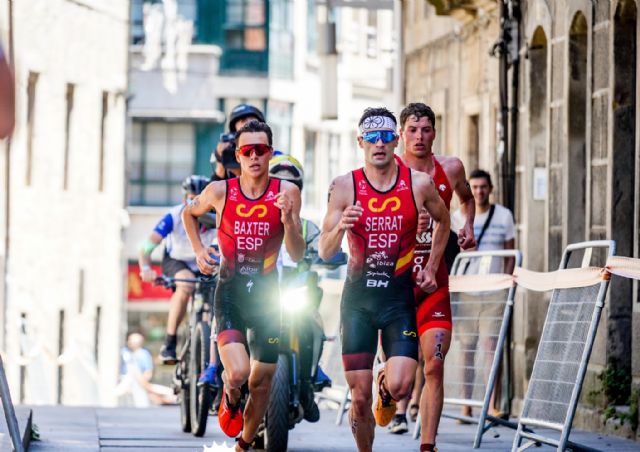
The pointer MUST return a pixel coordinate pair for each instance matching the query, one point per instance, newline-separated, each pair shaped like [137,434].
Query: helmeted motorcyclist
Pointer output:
[223,160]
[286,167]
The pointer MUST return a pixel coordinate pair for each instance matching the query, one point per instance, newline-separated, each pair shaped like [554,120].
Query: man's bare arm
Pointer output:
[144,258]
[509,262]
[466,240]
[341,215]
[293,239]
[201,204]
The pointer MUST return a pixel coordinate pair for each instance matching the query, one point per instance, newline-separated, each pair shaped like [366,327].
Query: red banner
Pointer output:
[142,291]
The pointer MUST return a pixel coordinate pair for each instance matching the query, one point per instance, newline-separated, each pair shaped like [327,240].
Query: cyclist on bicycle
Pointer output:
[256,214]
[179,260]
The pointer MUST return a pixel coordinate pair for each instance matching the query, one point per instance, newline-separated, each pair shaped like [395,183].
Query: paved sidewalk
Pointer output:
[157,429]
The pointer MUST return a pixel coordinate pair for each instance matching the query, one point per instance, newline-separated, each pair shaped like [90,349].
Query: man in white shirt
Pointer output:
[500,232]
[494,230]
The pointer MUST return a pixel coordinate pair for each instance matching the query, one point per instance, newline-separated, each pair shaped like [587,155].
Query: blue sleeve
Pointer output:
[145,361]
[164,226]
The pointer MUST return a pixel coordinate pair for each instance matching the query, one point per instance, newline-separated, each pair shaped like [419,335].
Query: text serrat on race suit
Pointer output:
[378,293]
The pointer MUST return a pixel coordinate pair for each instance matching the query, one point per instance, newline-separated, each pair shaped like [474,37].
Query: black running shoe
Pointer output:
[168,354]
[399,424]
[312,413]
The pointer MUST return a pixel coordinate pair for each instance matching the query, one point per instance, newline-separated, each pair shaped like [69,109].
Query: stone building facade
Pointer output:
[577,147]
[63,192]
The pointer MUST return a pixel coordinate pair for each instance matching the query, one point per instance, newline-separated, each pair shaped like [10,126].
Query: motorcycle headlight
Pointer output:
[293,300]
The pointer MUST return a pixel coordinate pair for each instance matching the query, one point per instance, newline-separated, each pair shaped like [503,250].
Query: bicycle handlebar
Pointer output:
[169,281]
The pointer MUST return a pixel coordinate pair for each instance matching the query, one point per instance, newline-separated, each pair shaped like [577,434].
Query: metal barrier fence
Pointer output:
[481,317]
[563,354]
[331,360]
[9,412]
[331,363]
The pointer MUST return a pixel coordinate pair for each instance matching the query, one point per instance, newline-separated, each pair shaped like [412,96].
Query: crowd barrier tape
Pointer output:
[570,278]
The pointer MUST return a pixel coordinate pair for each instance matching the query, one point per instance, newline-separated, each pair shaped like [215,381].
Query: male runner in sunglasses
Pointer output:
[418,131]
[256,213]
[377,207]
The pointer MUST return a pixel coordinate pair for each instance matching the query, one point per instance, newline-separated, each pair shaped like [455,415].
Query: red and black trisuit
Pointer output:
[378,292]
[247,296]
[434,309]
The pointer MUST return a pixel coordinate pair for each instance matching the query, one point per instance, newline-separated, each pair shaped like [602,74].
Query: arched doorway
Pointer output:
[575,157]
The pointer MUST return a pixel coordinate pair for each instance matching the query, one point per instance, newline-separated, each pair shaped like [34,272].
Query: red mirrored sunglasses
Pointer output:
[259,149]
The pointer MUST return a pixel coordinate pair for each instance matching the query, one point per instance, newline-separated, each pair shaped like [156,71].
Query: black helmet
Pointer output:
[242,111]
[194,184]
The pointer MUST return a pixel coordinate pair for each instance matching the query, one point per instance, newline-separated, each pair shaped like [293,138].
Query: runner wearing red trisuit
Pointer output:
[417,131]
[377,207]
[255,214]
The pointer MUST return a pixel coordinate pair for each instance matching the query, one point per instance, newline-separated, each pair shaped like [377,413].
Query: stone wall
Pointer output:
[576,139]
[65,268]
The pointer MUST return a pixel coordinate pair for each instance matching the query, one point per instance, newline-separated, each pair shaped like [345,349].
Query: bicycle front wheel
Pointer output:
[201,397]
[182,383]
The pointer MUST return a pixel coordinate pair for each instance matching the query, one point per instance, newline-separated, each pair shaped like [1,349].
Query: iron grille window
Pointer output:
[279,119]
[312,27]
[31,113]
[334,156]
[67,133]
[281,38]
[161,156]
[310,138]
[245,25]
[103,127]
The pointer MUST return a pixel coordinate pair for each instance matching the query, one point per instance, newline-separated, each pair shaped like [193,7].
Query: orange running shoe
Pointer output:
[230,417]
[384,406]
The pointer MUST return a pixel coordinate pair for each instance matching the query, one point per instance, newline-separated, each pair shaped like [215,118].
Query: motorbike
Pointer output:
[298,375]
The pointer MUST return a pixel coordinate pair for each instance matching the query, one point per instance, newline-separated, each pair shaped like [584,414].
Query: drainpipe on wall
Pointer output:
[500,50]
[507,49]
[513,55]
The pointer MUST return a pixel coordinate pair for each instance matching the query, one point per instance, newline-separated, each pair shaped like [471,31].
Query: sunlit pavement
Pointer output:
[157,429]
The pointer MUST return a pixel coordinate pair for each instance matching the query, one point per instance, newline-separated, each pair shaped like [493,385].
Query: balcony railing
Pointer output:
[244,61]
[447,7]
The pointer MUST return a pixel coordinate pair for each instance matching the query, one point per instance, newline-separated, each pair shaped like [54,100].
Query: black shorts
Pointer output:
[171,266]
[364,311]
[247,311]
